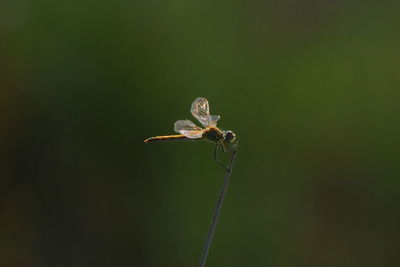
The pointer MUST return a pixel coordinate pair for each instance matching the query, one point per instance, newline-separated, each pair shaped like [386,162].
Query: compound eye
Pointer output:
[229,135]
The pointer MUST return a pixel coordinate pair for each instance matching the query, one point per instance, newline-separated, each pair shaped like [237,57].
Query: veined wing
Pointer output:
[188,129]
[201,111]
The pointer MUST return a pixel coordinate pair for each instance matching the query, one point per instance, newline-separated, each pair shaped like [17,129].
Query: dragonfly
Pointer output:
[189,131]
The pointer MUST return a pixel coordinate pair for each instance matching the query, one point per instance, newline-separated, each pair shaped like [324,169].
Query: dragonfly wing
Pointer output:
[201,111]
[188,129]
[213,119]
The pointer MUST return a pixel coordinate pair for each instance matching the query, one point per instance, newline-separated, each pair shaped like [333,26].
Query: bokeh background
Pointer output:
[310,87]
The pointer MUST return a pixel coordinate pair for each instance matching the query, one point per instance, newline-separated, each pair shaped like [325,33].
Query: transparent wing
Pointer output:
[201,111]
[188,129]
[212,120]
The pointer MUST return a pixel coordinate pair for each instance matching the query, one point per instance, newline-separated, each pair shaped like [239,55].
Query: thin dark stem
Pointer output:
[217,212]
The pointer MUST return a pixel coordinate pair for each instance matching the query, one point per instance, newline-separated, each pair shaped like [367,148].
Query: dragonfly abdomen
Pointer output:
[166,138]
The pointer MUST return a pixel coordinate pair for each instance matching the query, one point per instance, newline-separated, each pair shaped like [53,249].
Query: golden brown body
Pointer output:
[212,134]
[166,138]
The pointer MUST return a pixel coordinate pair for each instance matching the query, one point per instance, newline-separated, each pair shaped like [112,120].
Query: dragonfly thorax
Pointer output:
[216,135]
[213,134]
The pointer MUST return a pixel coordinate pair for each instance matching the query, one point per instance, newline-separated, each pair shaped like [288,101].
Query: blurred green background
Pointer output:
[310,87]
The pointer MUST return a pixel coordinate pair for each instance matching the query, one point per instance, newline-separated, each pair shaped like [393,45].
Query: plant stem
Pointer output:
[217,212]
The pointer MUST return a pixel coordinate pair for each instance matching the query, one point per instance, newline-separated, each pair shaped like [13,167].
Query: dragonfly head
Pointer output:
[229,137]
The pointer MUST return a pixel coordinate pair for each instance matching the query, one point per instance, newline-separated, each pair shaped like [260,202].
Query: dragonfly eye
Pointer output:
[229,136]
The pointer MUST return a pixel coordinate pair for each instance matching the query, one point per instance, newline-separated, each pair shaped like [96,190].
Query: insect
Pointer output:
[189,131]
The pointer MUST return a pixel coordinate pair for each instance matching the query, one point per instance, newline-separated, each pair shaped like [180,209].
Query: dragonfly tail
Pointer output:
[166,138]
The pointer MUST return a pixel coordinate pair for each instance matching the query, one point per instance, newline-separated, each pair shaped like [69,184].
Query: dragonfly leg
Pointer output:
[216,158]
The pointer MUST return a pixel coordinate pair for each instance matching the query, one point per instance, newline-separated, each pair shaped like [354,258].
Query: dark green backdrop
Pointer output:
[311,88]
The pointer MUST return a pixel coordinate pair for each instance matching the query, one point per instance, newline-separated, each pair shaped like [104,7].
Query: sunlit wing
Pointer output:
[201,111]
[213,119]
[188,129]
